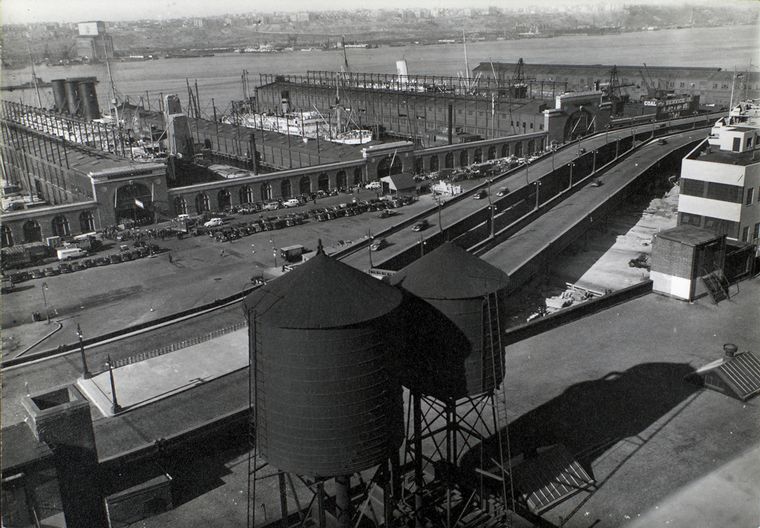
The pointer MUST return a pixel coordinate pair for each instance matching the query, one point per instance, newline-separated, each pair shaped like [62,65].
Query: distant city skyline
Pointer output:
[32,11]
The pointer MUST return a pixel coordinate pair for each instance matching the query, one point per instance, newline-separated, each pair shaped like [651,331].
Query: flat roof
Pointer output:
[729,157]
[688,235]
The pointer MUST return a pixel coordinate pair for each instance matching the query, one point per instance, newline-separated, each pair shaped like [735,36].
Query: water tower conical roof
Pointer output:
[450,272]
[322,293]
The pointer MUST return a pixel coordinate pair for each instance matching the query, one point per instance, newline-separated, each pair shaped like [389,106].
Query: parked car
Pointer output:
[214,222]
[378,244]
[374,185]
[480,195]
[419,226]
[385,213]
[503,191]
[271,206]
[293,202]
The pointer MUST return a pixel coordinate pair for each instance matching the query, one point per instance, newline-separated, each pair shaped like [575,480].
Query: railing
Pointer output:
[179,345]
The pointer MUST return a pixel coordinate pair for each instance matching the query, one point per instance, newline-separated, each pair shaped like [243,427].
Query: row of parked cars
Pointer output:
[82,264]
[359,207]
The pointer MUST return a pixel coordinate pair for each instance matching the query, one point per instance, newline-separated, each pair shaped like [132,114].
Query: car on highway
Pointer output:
[503,191]
[419,226]
[293,202]
[214,222]
[480,195]
[379,244]
[662,141]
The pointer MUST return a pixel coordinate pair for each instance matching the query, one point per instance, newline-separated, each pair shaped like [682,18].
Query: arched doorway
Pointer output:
[357,176]
[224,200]
[133,202]
[32,231]
[7,236]
[518,149]
[246,195]
[341,180]
[492,152]
[577,124]
[202,203]
[463,158]
[60,226]
[505,150]
[86,222]
[180,205]
[531,147]
[389,165]
[266,192]
[304,186]
[433,163]
[477,156]
[323,182]
[419,168]
[285,189]
[448,161]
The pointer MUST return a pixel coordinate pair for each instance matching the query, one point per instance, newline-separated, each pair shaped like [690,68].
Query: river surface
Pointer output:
[219,77]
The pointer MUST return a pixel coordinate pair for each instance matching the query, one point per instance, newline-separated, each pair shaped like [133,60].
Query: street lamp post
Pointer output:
[371,238]
[527,180]
[593,166]
[115,407]
[440,206]
[44,300]
[538,186]
[422,246]
[571,165]
[85,371]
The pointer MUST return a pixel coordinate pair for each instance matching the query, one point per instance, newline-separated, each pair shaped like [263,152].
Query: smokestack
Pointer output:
[729,350]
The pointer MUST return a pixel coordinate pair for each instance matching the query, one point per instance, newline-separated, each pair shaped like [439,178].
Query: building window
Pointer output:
[722,227]
[750,196]
[531,126]
[691,187]
[737,144]
[715,86]
[724,193]
[690,219]
[745,234]
[749,142]
[681,85]
[756,234]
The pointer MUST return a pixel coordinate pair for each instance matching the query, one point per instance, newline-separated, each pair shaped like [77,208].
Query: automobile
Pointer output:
[480,195]
[503,191]
[37,273]
[51,272]
[385,213]
[378,244]
[581,150]
[662,141]
[293,202]
[374,185]
[214,222]
[419,226]
[64,268]
[183,217]
[271,206]
[77,266]
[642,261]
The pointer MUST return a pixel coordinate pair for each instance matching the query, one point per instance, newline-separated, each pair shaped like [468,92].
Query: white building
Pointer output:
[720,179]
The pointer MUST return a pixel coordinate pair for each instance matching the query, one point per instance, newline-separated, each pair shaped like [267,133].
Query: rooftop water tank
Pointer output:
[456,307]
[327,403]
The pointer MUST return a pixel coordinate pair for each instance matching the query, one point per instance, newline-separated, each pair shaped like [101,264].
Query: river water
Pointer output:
[219,77]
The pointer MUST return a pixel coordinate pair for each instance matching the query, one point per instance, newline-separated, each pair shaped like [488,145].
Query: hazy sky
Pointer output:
[23,11]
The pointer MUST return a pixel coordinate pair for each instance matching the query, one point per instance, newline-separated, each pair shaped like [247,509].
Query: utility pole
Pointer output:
[85,371]
[115,407]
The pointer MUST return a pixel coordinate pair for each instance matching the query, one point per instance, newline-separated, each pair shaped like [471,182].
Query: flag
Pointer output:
[139,204]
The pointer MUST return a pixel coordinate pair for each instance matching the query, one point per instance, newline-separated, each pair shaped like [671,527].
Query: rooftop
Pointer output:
[688,235]
[728,157]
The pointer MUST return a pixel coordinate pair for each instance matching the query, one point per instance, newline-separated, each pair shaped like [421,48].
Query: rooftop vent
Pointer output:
[736,374]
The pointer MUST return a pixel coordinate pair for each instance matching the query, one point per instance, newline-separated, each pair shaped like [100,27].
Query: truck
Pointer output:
[292,253]
[70,253]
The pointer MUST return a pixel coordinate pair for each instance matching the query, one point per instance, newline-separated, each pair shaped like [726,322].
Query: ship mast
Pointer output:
[34,77]
[113,88]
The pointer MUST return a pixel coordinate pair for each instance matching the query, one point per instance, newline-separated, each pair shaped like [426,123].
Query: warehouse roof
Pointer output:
[688,235]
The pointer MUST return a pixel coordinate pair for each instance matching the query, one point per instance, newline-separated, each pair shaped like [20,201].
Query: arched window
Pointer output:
[389,165]
[32,231]
[448,162]
[86,222]
[323,182]
[358,175]
[463,158]
[418,166]
[505,150]
[202,203]
[304,186]
[492,152]
[266,192]
[285,191]
[433,163]
[224,199]
[340,180]
[477,155]
[531,147]
[180,205]
[7,236]
[61,226]
[246,195]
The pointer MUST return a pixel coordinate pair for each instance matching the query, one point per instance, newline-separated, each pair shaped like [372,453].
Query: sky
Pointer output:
[25,11]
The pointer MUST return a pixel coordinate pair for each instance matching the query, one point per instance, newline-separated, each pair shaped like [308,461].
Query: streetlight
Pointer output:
[439,200]
[422,246]
[527,164]
[593,167]
[538,186]
[85,371]
[491,208]
[44,300]
[371,238]
[115,407]
[571,165]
